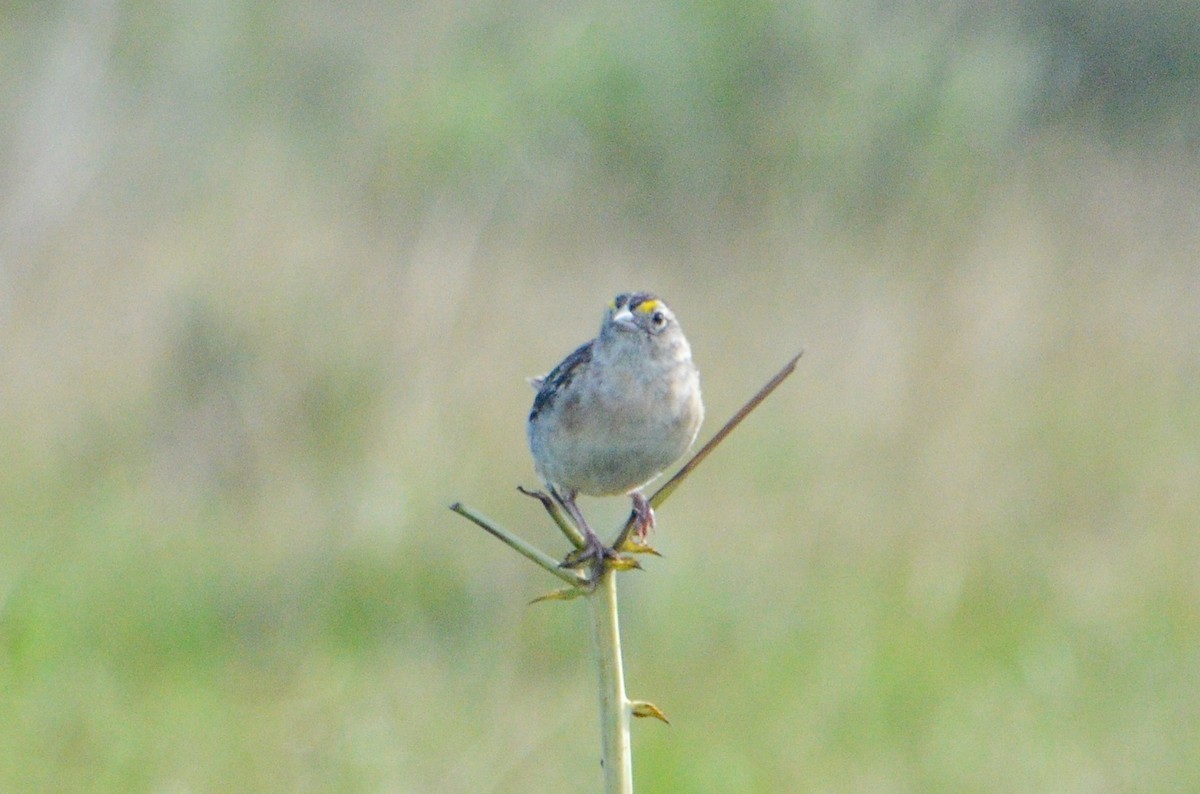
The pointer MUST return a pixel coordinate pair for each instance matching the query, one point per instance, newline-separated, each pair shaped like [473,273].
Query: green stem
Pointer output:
[617,757]
[522,546]
[572,533]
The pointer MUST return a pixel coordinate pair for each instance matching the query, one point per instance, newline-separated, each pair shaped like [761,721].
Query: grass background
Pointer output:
[272,274]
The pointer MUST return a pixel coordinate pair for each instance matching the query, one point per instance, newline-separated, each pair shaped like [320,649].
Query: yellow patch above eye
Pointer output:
[647,306]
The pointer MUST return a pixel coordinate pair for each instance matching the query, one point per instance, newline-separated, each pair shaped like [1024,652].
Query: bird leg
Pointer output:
[594,551]
[644,514]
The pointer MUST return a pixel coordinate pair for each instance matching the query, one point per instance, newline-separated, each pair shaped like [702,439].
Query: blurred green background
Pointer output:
[272,274]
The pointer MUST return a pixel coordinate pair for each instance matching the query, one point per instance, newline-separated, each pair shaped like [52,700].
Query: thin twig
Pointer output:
[565,524]
[530,551]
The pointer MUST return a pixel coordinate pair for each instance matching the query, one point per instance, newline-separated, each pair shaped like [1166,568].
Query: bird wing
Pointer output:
[549,386]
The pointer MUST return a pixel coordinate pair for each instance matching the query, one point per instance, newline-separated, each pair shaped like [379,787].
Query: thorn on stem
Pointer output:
[642,708]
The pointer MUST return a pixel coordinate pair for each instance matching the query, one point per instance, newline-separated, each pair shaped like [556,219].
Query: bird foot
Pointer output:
[593,552]
[644,514]
[598,559]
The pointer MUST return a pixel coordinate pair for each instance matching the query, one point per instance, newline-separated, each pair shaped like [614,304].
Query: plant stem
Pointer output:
[520,545]
[617,756]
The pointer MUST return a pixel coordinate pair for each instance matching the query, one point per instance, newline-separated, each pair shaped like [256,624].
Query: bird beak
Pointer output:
[624,320]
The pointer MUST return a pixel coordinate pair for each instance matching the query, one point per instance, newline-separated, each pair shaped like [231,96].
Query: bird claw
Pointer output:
[598,558]
[592,552]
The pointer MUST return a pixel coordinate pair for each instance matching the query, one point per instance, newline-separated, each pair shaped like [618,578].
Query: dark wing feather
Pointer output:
[559,378]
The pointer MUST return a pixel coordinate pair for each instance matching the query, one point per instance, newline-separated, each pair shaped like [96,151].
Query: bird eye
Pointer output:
[658,319]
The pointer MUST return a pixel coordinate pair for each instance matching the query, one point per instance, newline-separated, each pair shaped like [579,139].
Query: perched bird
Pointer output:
[616,412]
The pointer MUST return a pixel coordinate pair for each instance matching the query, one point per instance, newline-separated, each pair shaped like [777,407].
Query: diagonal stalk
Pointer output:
[565,525]
[664,493]
[520,545]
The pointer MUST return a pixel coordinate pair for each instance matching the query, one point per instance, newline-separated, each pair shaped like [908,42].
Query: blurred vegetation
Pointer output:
[271,275]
